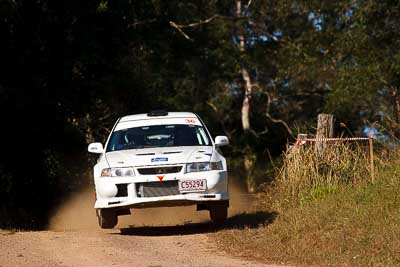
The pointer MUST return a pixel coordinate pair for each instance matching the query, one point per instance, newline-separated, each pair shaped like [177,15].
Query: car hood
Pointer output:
[159,156]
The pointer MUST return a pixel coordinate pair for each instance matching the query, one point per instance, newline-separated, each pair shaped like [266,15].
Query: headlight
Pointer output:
[117,172]
[216,165]
[203,166]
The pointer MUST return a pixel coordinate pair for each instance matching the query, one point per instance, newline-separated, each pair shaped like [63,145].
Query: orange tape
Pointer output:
[299,141]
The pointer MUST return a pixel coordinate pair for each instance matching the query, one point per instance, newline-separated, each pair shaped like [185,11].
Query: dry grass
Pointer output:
[340,163]
[328,213]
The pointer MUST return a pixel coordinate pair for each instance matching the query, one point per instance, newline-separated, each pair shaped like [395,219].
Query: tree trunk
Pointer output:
[249,161]
[246,100]
[324,130]
[249,156]
[241,34]
[245,75]
[396,104]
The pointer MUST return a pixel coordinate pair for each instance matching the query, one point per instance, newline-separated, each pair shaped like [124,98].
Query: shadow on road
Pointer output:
[239,221]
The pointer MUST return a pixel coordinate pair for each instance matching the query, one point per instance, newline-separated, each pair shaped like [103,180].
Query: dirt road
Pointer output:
[144,246]
[150,237]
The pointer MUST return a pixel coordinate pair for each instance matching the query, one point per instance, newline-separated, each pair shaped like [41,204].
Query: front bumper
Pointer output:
[108,190]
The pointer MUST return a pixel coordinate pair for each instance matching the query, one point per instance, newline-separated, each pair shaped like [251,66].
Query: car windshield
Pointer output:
[158,136]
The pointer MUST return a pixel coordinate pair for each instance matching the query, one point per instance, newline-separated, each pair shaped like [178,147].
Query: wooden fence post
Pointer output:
[324,130]
[371,157]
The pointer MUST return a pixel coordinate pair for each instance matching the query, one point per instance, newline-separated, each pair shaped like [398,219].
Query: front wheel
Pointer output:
[219,214]
[107,218]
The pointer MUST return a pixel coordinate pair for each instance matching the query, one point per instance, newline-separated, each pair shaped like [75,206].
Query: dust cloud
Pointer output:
[77,213]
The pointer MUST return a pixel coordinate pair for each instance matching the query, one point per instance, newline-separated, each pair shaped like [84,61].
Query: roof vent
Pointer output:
[156,113]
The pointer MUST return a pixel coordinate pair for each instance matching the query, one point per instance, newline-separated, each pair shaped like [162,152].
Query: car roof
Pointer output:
[144,116]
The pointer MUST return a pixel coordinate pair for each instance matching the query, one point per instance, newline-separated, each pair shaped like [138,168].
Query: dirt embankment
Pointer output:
[149,237]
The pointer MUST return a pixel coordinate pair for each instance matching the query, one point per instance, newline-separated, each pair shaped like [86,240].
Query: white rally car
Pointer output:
[160,159]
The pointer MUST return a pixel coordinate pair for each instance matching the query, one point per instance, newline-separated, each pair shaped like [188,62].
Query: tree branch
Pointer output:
[210,19]
[221,120]
[137,23]
[281,122]
[268,115]
[248,4]
[195,24]
[180,27]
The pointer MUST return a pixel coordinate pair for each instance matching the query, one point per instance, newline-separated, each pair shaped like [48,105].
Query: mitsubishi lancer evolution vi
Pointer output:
[160,159]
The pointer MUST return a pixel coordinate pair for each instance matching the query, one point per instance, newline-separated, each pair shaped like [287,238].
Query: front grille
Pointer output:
[157,189]
[159,170]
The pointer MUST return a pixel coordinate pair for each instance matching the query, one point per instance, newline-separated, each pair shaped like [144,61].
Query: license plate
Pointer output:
[192,185]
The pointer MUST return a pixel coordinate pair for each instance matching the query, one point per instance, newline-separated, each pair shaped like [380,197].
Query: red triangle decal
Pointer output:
[160,177]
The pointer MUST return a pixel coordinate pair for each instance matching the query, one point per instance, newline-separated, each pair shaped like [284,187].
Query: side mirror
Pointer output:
[96,148]
[221,141]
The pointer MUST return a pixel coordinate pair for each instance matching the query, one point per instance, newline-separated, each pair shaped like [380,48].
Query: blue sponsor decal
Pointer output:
[159,159]
[208,154]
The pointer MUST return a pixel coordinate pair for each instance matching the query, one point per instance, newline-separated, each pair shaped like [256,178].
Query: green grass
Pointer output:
[338,224]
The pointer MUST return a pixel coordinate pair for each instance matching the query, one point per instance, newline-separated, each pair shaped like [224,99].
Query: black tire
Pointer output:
[219,214]
[107,218]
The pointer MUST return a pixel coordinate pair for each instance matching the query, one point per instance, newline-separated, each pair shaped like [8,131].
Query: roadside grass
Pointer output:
[344,221]
[8,231]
